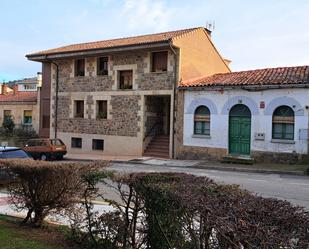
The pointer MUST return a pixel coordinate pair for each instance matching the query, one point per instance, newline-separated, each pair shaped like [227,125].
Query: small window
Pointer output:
[283,123]
[97,144]
[28,117]
[102,66]
[101,109]
[125,79]
[80,67]
[76,142]
[202,121]
[159,61]
[78,108]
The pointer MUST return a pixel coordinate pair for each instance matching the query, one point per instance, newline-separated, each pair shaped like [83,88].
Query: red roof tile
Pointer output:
[19,97]
[120,42]
[267,76]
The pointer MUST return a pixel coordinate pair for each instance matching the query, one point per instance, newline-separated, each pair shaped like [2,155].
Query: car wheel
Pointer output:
[43,157]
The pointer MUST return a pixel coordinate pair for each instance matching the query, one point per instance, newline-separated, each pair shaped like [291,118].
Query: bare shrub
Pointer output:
[171,210]
[43,188]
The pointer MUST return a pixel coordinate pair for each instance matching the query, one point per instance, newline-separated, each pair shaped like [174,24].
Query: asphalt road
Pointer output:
[287,187]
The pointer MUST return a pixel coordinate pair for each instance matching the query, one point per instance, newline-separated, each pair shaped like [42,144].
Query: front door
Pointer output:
[239,130]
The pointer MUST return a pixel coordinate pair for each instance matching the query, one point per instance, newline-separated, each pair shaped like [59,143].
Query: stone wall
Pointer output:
[123,122]
[91,82]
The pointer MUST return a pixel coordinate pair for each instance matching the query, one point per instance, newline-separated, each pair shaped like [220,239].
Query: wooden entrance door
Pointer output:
[240,130]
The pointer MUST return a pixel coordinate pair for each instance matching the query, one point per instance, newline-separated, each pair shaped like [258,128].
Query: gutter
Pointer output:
[56,97]
[174,99]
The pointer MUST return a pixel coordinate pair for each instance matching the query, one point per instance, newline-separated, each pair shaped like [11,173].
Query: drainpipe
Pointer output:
[56,97]
[174,99]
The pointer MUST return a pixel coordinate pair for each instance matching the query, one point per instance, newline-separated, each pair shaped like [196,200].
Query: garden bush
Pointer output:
[43,188]
[165,211]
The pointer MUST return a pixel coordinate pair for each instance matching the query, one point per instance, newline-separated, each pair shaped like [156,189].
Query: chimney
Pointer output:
[39,79]
[4,89]
[15,89]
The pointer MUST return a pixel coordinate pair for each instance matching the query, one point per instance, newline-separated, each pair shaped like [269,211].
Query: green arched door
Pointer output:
[239,130]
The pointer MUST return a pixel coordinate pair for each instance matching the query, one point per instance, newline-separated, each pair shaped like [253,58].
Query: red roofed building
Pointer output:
[258,114]
[22,106]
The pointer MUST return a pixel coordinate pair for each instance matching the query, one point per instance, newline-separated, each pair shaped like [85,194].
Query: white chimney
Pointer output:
[39,79]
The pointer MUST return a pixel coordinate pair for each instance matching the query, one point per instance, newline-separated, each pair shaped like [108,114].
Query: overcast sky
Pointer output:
[253,34]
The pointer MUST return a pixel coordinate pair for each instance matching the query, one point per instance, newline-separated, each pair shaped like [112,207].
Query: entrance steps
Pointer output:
[158,147]
[238,159]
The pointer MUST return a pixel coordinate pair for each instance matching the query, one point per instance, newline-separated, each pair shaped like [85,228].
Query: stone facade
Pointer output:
[126,117]
[91,82]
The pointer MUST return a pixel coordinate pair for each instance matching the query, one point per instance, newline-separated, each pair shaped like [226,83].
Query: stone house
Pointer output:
[118,97]
[260,114]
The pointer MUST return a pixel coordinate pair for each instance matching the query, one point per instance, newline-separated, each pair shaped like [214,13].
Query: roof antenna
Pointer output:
[211,25]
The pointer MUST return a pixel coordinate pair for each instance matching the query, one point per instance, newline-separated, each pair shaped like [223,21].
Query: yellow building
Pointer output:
[20,105]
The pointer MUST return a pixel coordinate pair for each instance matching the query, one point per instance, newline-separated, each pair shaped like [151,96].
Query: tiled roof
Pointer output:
[259,77]
[19,97]
[120,42]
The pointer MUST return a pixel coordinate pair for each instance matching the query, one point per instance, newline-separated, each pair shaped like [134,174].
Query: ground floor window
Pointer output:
[7,114]
[76,142]
[97,144]
[28,117]
[202,121]
[283,123]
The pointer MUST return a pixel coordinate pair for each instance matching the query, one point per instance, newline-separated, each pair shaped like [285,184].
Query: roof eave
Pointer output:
[245,87]
[93,52]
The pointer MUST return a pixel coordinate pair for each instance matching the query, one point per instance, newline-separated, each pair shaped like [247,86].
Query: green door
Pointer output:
[239,130]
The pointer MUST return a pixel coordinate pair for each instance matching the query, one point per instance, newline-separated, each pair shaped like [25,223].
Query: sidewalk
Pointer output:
[96,157]
[7,209]
[267,168]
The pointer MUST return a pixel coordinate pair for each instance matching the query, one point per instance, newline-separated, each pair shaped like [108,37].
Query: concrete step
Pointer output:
[238,159]
[159,155]
[157,150]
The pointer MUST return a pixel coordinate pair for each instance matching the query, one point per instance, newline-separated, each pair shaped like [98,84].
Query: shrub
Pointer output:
[43,188]
[183,211]
[25,132]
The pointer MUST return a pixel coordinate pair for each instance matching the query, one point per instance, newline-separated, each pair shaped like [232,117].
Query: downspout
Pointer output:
[174,99]
[56,97]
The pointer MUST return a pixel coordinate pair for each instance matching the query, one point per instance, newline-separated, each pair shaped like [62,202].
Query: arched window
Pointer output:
[202,121]
[283,123]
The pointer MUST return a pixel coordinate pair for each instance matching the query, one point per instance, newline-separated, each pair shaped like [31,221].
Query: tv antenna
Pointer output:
[211,25]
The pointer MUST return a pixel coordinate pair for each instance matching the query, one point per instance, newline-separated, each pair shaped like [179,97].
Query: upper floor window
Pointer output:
[80,67]
[159,61]
[126,79]
[27,117]
[78,108]
[101,109]
[202,121]
[102,66]
[283,123]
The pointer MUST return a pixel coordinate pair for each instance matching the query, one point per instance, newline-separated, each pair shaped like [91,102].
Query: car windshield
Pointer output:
[18,153]
[56,142]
